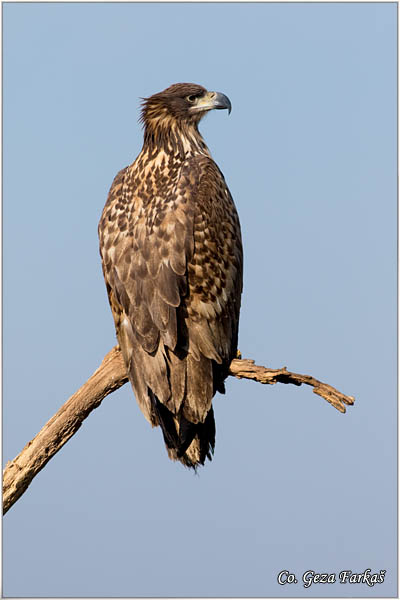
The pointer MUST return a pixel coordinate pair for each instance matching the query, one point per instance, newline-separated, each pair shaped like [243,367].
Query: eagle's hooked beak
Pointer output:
[213,100]
[221,101]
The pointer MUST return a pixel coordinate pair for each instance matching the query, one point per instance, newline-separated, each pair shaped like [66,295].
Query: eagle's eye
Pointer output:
[192,98]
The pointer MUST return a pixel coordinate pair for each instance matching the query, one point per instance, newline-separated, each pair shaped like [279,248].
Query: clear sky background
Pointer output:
[309,154]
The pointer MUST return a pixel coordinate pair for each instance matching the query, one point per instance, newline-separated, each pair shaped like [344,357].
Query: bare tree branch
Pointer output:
[110,376]
[246,369]
[19,473]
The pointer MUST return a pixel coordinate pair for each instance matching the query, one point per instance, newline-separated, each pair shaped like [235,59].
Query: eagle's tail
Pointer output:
[185,383]
[190,443]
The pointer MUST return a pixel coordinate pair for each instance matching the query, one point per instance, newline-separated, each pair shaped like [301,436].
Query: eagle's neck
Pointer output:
[181,140]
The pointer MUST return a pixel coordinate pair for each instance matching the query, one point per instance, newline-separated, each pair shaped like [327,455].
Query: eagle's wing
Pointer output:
[173,271]
[215,271]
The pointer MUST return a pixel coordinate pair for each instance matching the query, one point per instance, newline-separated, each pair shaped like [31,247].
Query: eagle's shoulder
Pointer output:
[107,222]
[116,187]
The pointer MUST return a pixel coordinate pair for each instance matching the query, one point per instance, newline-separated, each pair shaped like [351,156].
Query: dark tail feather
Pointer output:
[206,434]
[190,443]
[187,432]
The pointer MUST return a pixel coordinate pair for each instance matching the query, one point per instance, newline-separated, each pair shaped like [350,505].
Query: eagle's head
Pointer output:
[182,104]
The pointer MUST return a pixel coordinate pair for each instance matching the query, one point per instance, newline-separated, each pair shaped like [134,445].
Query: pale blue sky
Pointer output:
[309,153]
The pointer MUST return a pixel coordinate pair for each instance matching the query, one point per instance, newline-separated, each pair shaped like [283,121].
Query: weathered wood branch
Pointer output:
[19,472]
[110,376]
[246,369]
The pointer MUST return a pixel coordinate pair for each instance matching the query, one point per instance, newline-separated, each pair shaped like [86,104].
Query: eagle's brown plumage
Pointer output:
[172,261]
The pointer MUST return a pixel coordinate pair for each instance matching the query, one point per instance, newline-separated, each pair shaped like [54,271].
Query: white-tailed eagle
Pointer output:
[172,261]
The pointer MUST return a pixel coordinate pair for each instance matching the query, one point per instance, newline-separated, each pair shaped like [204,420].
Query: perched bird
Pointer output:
[172,260]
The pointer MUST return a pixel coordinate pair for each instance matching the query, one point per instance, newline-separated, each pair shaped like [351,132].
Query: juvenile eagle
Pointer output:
[172,260]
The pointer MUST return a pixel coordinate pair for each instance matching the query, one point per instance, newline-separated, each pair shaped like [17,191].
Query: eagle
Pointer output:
[172,260]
